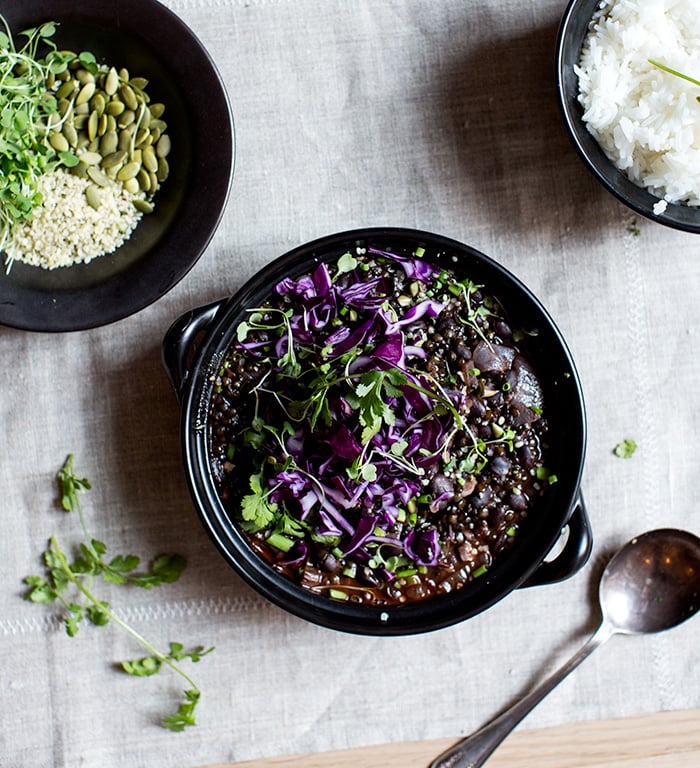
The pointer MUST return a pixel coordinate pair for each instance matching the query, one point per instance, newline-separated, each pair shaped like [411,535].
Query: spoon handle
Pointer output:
[473,751]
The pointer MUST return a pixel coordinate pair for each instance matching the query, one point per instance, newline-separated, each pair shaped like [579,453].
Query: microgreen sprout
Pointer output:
[28,112]
[70,584]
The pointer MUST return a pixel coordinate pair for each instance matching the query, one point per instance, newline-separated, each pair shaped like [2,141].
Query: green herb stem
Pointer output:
[675,72]
[113,616]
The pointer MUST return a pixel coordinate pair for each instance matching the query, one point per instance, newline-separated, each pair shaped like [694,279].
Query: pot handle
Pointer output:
[180,342]
[575,553]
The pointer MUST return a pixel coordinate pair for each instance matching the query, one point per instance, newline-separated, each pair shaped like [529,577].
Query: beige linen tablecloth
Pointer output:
[435,115]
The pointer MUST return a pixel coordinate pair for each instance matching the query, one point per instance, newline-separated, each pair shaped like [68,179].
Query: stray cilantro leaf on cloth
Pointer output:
[151,665]
[625,449]
[70,584]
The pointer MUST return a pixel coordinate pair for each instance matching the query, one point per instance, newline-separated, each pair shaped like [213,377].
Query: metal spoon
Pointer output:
[651,584]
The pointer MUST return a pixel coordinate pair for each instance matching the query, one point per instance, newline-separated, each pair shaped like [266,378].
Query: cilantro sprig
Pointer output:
[70,584]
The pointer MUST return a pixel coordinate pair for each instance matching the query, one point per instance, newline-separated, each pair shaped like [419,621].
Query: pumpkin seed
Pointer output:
[163,146]
[80,121]
[85,94]
[157,110]
[124,74]
[92,194]
[70,133]
[94,145]
[98,103]
[91,158]
[144,180]
[115,159]
[159,124]
[136,157]
[82,109]
[66,90]
[92,126]
[124,143]
[58,141]
[50,80]
[84,77]
[111,124]
[129,171]
[79,170]
[154,182]
[163,169]
[115,108]
[139,82]
[131,185]
[155,134]
[102,125]
[142,136]
[111,82]
[109,143]
[150,161]
[83,141]
[96,175]
[128,97]
[143,205]
[126,118]
[63,106]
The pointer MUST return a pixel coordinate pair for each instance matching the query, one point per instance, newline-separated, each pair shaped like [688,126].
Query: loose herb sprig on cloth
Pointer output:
[70,584]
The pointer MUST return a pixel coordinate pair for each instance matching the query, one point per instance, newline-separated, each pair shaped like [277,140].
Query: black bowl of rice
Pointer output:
[84,262]
[627,76]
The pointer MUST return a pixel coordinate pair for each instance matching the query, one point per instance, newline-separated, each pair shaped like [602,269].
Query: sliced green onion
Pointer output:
[278,541]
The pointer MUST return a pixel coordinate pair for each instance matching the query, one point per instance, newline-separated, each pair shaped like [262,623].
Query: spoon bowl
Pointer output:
[650,585]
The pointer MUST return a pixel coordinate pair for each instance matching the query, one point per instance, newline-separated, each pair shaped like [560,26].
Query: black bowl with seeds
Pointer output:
[164,57]
[383,432]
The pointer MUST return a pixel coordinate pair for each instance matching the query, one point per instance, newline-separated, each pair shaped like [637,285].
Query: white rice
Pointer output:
[66,230]
[647,121]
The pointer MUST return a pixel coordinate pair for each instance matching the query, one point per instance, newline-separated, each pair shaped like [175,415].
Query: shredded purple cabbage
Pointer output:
[349,417]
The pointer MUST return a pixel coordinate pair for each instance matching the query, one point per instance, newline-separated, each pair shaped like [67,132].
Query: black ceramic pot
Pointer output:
[192,351]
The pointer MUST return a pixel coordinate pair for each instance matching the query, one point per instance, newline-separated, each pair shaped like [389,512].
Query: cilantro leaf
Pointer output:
[151,665]
[184,716]
[256,507]
[625,449]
